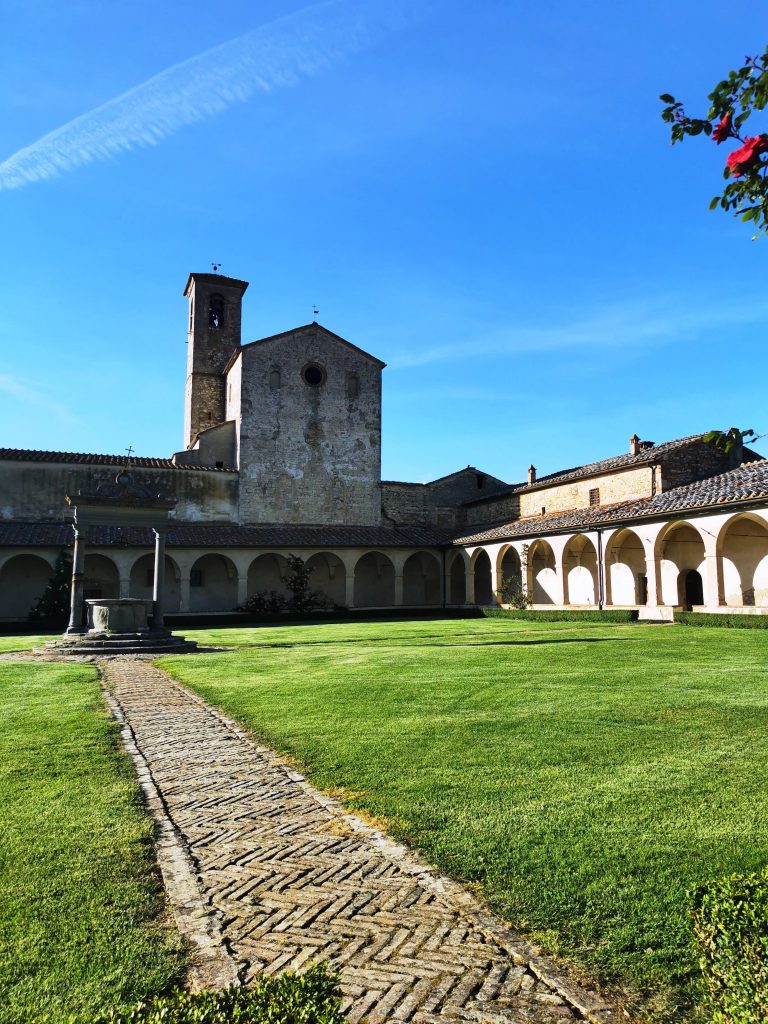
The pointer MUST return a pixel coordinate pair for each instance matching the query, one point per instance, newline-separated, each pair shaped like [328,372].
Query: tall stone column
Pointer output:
[125,586]
[713,574]
[184,594]
[158,588]
[78,575]
[242,590]
[470,586]
[398,588]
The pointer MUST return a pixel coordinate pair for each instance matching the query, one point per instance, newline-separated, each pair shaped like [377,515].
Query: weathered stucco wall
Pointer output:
[310,454]
[34,491]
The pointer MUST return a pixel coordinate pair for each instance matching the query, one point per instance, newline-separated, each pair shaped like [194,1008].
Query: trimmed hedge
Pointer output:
[730,920]
[310,998]
[582,615]
[724,619]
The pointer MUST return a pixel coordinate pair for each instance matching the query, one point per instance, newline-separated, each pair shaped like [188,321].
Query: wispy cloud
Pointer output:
[633,324]
[29,395]
[279,54]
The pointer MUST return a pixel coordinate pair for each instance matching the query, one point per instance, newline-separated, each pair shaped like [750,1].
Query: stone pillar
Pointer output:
[125,586]
[398,588]
[159,584]
[184,594]
[242,590]
[349,588]
[470,586]
[653,577]
[713,586]
[496,580]
[76,596]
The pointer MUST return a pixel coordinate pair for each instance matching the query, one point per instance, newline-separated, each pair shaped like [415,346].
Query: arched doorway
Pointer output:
[329,575]
[510,576]
[743,547]
[457,579]
[23,580]
[101,577]
[143,578]
[626,579]
[483,580]
[693,589]
[542,575]
[580,569]
[213,584]
[374,581]
[265,574]
[421,580]
[681,551]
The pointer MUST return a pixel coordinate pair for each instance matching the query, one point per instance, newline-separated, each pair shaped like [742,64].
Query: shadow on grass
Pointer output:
[406,642]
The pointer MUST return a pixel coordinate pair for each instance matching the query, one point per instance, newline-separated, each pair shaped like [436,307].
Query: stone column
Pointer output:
[713,587]
[242,590]
[78,574]
[398,588]
[159,585]
[653,578]
[125,586]
[470,586]
[496,580]
[349,588]
[184,594]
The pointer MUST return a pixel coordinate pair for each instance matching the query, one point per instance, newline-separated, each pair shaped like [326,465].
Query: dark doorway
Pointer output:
[694,589]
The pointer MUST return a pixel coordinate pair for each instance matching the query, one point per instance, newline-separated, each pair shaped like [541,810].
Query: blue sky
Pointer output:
[483,195]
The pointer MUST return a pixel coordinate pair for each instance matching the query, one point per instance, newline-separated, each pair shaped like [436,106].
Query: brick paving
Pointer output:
[284,877]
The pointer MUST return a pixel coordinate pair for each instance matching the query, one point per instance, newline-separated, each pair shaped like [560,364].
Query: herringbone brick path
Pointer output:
[294,879]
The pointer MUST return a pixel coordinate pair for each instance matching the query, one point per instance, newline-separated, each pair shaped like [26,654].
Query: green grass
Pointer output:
[586,776]
[80,914]
[14,644]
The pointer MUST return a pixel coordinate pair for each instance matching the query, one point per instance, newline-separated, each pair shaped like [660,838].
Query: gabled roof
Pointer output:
[85,459]
[449,476]
[314,326]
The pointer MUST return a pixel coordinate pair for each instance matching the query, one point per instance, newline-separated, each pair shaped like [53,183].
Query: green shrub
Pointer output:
[310,998]
[716,619]
[730,920]
[580,615]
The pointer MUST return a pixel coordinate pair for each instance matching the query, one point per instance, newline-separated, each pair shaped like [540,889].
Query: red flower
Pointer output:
[722,130]
[740,160]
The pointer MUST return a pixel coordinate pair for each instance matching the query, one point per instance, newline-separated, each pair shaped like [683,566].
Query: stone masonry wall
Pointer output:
[310,454]
[34,491]
[696,461]
[625,485]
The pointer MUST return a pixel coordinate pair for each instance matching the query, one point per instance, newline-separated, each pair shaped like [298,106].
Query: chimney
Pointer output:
[531,474]
[634,445]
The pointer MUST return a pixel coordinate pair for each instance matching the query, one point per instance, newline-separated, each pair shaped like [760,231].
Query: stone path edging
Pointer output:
[253,850]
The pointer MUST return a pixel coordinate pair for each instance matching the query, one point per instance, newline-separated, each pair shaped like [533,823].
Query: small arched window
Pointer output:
[216,311]
[274,379]
[353,385]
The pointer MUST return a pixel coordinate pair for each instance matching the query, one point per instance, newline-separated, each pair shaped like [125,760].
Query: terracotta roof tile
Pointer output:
[83,458]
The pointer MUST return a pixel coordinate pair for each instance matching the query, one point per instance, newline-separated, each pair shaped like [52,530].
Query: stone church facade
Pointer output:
[283,456]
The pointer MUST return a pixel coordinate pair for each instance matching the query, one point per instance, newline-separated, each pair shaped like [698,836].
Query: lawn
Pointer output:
[584,776]
[15,644]
[82,914]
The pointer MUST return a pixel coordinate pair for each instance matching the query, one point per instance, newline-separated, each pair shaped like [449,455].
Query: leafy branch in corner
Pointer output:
[732,103]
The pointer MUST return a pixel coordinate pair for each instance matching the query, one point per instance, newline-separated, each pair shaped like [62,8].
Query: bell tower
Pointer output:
[215,307]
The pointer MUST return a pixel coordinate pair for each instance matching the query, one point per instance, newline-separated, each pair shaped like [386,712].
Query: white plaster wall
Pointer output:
[680,553]
[374,581]
[745,564]
[23,579]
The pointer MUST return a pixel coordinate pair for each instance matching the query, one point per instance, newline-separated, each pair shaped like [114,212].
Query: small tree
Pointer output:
[53,604]
[296,579]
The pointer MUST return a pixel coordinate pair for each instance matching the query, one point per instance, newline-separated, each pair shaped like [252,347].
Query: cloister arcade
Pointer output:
[711,562]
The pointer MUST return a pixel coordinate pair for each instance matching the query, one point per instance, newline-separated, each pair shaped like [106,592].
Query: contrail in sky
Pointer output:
[278,54]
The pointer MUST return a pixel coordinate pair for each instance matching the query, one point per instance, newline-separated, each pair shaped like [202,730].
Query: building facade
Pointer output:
[283,456]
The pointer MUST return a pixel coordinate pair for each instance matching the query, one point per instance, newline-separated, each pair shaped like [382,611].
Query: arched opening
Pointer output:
[743,547]
[693,589]
[329,575]
[23,580]
[510,575]
[580,570]
[266,573]
[457,580]
[681,550]
[421,579]
[374,581]
[213,584]
[627,578]
[101,577]
[483,580]
[542,575]
[216,311]
[143,577]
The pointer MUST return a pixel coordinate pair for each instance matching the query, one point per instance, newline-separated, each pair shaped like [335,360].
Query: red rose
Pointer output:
[722,130]
[740,159]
